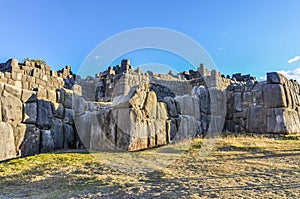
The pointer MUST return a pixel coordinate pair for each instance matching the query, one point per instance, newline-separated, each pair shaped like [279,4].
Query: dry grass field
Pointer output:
[227,167]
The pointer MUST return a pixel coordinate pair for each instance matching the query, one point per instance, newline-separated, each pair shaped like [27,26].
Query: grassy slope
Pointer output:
[232,167]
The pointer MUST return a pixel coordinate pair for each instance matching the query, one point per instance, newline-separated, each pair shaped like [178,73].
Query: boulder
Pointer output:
[7,142]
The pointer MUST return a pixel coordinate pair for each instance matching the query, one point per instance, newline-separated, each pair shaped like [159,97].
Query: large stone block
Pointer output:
[217,102]
[51,96]
[13,90]
[80,106]
[150,105]
[58,110]
[188,105]
[12,108]
[171,106]
[282,121]
[69,136]
[238,102]
[83,124]
[256,119]
[57,134]
[31,143]
[7,142]
[28,96]
[68,116]
[68,101]
[276,78]
[162,113]
[188,127]
[30,113]
[44,114]
[274,96]
[47,143]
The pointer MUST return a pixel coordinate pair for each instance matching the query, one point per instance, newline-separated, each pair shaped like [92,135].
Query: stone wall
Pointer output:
[36,110]
[264,107]
[122,109]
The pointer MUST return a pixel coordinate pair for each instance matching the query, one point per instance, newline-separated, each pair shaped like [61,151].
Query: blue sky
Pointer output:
[241,36]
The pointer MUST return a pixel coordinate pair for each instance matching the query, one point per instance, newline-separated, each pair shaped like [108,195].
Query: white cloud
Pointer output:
[97,57]
[294,59]
[291,74]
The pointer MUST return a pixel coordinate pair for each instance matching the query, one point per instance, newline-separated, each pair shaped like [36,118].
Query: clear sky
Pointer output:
[248,36]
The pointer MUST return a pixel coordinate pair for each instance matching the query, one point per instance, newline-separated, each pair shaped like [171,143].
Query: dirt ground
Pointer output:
[227,167]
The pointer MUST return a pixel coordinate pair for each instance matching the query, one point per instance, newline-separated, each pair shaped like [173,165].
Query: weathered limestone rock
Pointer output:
[28,96]
[68,94]
[30,113]
[188,127]
[44,114]
[150,105]
[13,90]
[68,116]
[274,96]
[276,78]
[31,143]
[11,108]
[103,132]
[41,93]
[7,142]
[69,136]
[58,110]
[51,96]
[57,134]
[171,106]
[19,135]
[238,101]
[84,124]
[162,113]
[47,143]
[188,105]
[77,90]
[256,121]
[80,105]
[204,98]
